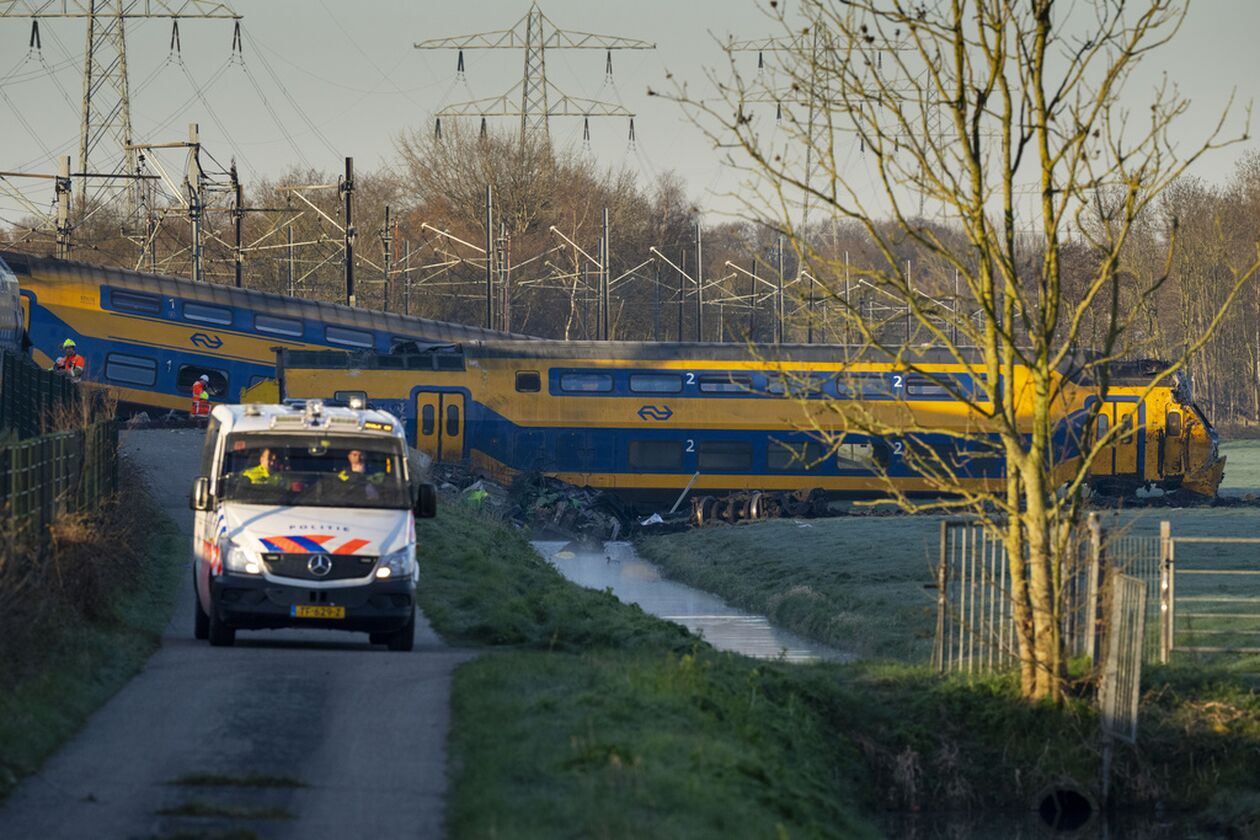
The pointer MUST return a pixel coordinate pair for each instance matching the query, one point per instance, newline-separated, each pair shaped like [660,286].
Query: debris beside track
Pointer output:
[549,505]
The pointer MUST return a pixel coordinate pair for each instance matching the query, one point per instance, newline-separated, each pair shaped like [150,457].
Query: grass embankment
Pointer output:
[600,720]
[76,626]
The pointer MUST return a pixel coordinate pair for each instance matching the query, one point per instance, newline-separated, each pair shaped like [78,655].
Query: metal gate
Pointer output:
[1208,607]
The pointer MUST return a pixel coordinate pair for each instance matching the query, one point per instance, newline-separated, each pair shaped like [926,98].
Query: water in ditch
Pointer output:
[616,566]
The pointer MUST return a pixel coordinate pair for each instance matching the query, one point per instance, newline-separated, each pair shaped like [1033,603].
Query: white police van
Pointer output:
[306,518]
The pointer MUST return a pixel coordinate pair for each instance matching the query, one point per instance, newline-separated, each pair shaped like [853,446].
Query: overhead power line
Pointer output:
[106,106]
[539,98]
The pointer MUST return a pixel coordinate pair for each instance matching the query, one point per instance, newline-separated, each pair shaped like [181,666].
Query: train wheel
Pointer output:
[754,505]
[704,510]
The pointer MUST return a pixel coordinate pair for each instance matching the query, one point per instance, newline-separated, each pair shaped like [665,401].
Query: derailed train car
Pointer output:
[148,338]
[647,420]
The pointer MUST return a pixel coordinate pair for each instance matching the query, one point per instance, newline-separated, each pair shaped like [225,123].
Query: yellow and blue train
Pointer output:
[149,338]
[644,419]
[647,420]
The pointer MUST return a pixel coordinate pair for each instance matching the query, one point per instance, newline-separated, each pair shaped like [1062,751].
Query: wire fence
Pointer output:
[976,630]
[1138,556]
[29,395]
[49,476]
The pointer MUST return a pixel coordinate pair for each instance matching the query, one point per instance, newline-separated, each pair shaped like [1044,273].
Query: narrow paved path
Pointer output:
[338,738]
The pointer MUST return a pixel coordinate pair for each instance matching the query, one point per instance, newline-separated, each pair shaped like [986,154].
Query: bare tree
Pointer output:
[1004,120]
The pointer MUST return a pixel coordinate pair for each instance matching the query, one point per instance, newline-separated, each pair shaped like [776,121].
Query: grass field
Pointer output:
[585,717]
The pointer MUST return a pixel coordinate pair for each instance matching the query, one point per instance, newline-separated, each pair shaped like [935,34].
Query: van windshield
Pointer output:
[319,471]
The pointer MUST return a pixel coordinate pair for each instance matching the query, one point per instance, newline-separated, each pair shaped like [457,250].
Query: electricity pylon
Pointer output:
[106,108]
[539,98]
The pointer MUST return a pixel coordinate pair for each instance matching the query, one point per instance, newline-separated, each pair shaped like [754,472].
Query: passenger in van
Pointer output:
[267,471]
[356,470]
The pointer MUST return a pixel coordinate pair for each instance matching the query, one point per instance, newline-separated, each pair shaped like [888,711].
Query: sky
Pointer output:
[318,80]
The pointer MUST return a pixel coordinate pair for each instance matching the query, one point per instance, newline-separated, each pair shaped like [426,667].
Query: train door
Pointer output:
[440,425]
[1121,458]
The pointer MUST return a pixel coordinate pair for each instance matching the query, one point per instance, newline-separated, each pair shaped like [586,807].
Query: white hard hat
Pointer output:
[205,378]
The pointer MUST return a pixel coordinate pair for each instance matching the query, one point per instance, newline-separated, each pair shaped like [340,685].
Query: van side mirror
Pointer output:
[199,498]
[426,501]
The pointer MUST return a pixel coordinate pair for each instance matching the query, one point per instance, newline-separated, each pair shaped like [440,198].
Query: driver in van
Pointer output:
[267,471]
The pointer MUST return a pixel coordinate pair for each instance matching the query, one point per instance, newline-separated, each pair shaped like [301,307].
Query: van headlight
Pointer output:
[237,559]
[396,564]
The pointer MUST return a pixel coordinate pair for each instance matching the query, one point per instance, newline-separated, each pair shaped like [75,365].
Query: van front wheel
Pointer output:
[201,621]
[220,633]
[404,638]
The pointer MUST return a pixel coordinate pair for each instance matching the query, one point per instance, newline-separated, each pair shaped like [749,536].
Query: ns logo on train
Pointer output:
[651,412]
[208,342]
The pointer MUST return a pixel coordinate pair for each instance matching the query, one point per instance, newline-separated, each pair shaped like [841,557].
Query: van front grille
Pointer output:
[298,566]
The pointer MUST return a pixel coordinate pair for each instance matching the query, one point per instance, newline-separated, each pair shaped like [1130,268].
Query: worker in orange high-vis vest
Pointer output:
[70,362]
[200,397]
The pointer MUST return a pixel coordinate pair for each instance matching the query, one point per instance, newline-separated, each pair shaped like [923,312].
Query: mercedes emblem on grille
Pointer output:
[319,565]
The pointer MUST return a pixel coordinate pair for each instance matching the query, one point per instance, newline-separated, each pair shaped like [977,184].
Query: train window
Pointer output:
[600,382]
[860,456]
[656,454]
[450,361]
[207,314]
[135,302]
[291,327]
[869,385]
[805,455]
[656,383]
[426,420]
[348,337]
[256,379]
[725,384]
[188,374]
[452,420]
[924,386]
[725,455]
[1172,424]
[1126,428]
[1103,424]
[133,370]
[528,381]
[795,385]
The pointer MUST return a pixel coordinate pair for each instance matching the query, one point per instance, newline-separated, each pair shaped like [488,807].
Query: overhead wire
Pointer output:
[65,96]
[274,114]
[367,56]
[319,135]
[181,109]
[17,112]
[215,116]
